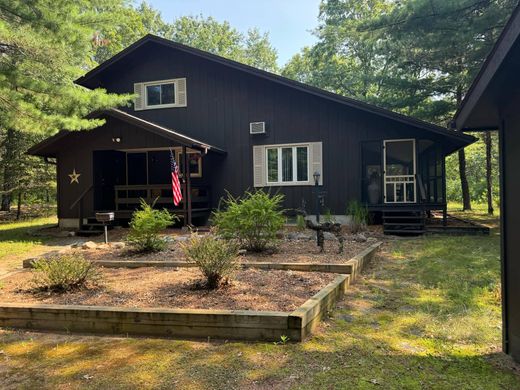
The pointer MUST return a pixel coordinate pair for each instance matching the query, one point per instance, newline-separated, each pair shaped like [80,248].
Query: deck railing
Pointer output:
[128,197]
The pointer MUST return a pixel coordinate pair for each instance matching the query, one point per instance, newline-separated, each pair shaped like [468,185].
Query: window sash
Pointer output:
[286,171]
[161,94]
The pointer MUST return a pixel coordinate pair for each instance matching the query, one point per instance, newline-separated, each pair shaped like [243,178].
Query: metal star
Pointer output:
[74,177]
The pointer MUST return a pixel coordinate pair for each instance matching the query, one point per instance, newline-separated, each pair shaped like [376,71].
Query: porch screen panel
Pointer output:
[432,173]
[159,167]
[372,179]
[136,168]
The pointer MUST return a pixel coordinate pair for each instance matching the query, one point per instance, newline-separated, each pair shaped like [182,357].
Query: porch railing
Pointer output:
[128,197]
[397,191]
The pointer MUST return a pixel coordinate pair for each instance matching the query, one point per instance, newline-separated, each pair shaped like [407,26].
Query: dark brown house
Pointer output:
[234,127]
[493,103]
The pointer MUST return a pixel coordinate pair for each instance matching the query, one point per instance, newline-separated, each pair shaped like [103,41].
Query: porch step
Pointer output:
[404,222]
[402,232]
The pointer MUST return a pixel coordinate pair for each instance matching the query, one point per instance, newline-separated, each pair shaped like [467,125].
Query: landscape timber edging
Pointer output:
[349,267]
[188,323]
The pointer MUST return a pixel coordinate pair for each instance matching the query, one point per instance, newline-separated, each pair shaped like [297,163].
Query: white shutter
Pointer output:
[181,93]
[139,99]
[316,160]
[259,171]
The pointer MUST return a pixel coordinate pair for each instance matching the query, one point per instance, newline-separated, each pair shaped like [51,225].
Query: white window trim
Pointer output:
[294,182]
[161,82]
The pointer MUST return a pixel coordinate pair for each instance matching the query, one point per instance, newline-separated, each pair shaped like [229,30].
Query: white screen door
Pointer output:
[399,171]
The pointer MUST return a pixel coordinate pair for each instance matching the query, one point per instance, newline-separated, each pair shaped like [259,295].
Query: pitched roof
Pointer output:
[465,139]
[40,149]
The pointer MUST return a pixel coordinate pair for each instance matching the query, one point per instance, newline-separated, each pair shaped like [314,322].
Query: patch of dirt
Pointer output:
[306,251]
[173,288]
[288,250]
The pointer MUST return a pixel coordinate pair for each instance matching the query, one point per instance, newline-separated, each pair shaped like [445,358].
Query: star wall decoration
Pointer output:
[74,176]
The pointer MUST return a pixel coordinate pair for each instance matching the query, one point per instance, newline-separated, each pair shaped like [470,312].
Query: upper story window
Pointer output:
[160,94]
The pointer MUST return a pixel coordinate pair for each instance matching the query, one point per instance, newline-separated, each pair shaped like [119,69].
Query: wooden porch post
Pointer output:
[187,187]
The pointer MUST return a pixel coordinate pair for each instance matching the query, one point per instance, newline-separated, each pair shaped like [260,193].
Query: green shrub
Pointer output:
[215,258]
[253,220]
[359,214]
[64,272]
[300,222]
[145,226]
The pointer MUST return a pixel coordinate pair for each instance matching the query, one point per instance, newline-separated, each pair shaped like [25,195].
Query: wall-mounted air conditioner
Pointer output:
[257,128]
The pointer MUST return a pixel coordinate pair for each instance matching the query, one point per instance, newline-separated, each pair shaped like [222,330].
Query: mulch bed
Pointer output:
[250,289]
[286,251]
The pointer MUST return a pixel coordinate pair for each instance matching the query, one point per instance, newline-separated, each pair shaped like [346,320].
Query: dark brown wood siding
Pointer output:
[223,101]
[510,214]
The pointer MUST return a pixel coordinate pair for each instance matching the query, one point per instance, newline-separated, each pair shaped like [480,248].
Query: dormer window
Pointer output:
[160,94]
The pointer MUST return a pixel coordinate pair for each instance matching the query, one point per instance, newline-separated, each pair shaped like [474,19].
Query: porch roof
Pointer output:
[46,147]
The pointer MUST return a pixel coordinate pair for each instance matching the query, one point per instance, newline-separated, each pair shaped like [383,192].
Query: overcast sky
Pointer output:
[288,21]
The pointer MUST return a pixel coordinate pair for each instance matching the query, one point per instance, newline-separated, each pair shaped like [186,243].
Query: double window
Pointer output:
[287,164]
[160,94]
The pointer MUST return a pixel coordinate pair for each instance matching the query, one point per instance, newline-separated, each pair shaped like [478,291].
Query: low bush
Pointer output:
[359,216]
[253,220]
[145,226]
[64,273]
[215,258]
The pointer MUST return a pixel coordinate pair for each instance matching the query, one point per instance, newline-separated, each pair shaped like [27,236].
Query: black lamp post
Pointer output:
[316,175]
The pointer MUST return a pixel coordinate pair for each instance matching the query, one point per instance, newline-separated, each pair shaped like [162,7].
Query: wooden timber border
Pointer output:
[189,323]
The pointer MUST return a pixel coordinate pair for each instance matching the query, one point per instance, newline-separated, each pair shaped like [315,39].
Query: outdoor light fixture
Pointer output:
[116,139]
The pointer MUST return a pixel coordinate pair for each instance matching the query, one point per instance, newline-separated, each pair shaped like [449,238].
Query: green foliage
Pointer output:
[328,217]
[359,216]
[215,258]
[145,226]
[476,172]
[64,273]
[253,220]
[45,47]
[300,222]
[283,340]
[252,48]
[369,50]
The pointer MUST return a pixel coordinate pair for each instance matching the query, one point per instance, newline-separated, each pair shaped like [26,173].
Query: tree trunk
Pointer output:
[489,178]
[466,200]
[8,172]
[19,206]
[464,186]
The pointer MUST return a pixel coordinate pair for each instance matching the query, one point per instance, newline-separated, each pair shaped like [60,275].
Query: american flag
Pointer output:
[176,184]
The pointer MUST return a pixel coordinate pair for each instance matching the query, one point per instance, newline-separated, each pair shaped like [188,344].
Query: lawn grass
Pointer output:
[424,315]
[16,241]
